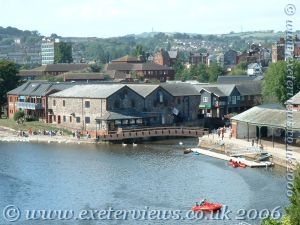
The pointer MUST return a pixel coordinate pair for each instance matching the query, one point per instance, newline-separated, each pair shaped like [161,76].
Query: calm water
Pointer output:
[154,176]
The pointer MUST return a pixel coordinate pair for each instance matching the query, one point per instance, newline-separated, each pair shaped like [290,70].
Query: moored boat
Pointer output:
[207,206]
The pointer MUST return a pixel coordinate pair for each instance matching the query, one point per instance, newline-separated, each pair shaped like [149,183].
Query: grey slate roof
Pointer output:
[124,114]
[234,79]
[89,91]
[214,90]
[224,89]
[180,89]
[268,115]
[143,89]
[38,88]
[250,88]
[296,99]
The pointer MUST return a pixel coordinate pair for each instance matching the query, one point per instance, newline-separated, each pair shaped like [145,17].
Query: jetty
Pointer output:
[247,162]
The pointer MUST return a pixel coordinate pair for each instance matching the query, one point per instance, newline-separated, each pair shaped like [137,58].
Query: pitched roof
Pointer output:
[121,114]
[89,91]
[180,89]
[295,99]
[127,59]
[143,89]
[82,76]
[38,88]
[268,115]
[214,90]
[136,66]
[250,88]
[234,79]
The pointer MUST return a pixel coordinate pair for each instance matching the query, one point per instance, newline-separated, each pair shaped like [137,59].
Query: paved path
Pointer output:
[232,145]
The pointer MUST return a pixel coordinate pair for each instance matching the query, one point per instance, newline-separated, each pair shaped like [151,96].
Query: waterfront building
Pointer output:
[32,97]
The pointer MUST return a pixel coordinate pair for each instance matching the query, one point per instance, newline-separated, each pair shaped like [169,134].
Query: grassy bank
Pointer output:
[34,125]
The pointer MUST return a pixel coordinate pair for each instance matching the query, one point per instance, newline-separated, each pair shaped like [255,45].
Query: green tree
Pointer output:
[203,75]
[240,69]
[214,70]
[95,67]
[178,68]
[8,79]
[63,52]
[18,115]
[293,210]
[275,87]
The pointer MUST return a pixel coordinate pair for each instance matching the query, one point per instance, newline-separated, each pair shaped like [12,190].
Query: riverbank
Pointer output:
[226,146]
[10,135]
[230,146]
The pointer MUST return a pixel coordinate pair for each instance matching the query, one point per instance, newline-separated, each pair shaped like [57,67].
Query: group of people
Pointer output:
[39,132]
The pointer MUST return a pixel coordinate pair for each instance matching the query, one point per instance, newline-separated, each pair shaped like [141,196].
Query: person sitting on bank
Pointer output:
[197,203]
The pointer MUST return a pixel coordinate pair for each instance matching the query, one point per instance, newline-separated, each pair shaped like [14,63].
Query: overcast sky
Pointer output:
[110,18]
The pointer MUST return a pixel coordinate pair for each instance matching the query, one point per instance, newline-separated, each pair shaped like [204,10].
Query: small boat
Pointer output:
[243,165]
[233,163]
[263,157]
[187,151]
[124,145]
[236,164]
[207,206]
[134,144]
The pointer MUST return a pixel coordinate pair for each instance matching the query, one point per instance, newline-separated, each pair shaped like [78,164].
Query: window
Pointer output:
[64,119]
[64,103]
[233,99]
[160,96]
[77,119]
[87,104]
[87,119]
[54,102]
[238,98]
[205,99]
[70,119]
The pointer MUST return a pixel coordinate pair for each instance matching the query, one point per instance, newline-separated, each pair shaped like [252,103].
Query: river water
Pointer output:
[155,176]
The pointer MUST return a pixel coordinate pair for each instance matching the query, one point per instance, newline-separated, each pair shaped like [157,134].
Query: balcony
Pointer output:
[29,105]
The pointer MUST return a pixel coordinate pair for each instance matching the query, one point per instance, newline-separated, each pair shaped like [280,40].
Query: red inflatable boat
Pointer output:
[207,206]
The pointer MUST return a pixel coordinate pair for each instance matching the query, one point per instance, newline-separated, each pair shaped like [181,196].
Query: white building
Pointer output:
[254,69]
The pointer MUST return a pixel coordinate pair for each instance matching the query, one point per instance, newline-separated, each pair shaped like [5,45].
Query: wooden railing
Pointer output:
[154,132]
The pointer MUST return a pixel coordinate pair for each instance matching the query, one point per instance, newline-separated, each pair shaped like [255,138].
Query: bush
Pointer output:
[18,115]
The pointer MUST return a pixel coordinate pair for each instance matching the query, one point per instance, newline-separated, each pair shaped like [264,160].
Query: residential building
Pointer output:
[52,70]
[254,69]
[51,47]
[278,50]
[196,58]
[162,58]
[32,97]
[230,57]
[138,69]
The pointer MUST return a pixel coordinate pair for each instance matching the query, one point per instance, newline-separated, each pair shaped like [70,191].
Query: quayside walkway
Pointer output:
[124,134]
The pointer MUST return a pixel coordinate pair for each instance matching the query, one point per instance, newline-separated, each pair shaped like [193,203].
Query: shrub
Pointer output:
[18,115]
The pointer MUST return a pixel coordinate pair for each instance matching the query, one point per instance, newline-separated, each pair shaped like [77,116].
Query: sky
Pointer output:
[113,18]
